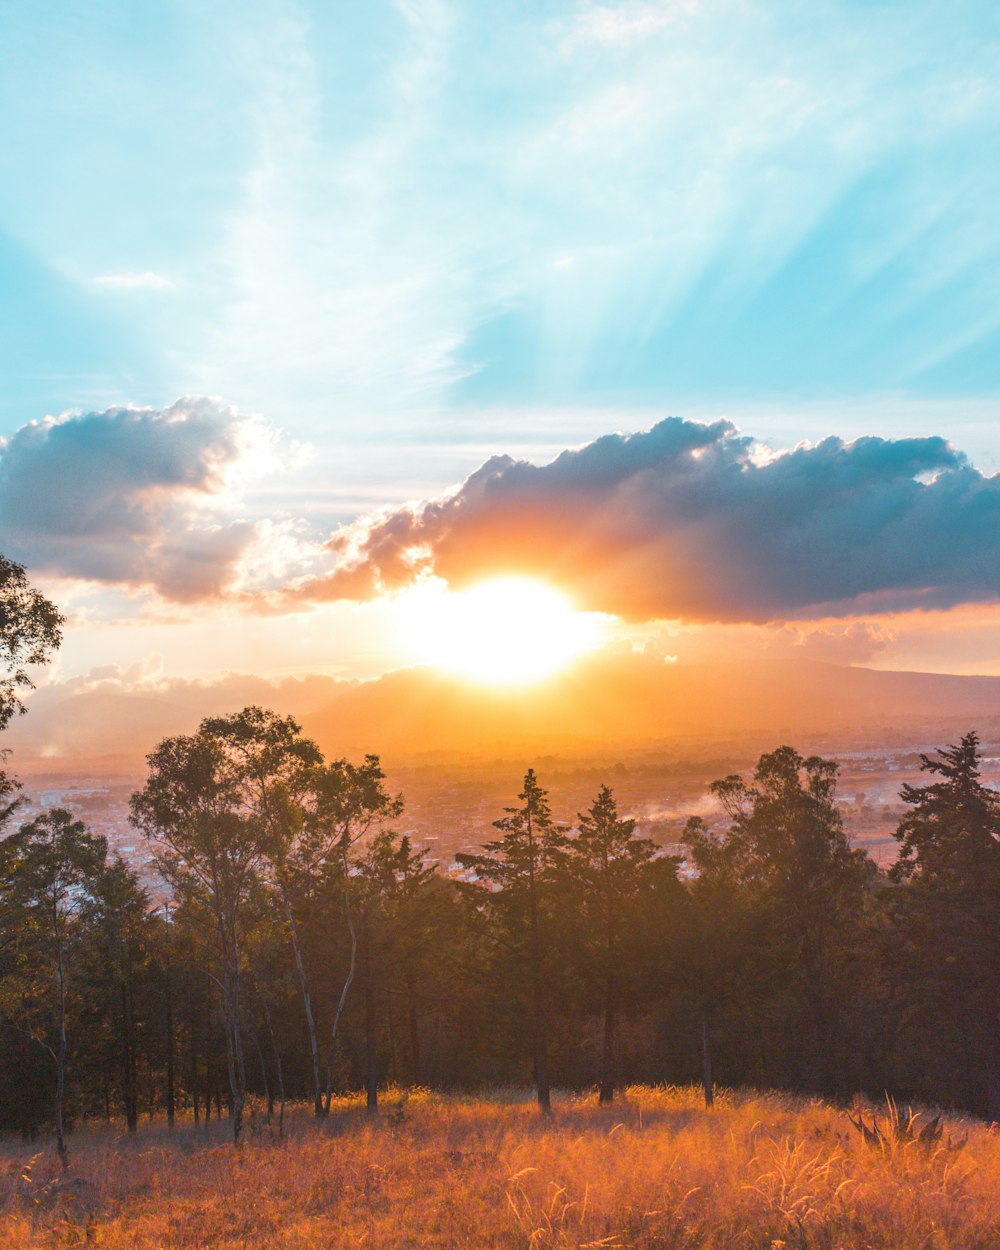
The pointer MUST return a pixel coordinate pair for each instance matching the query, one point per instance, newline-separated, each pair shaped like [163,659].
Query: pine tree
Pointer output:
[609,864]
[786,853]
[948,918]
[520,867]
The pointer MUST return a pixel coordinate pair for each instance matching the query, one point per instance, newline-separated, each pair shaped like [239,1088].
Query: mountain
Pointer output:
[615,699]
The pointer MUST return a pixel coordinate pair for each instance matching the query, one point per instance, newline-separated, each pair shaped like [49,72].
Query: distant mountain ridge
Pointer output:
[616,699]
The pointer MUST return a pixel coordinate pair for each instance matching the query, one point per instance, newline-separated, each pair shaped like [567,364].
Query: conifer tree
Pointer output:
[608,864]
[520,867]
[948,919]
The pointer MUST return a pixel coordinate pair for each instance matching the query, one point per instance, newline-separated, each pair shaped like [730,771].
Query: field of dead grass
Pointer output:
[654,1171]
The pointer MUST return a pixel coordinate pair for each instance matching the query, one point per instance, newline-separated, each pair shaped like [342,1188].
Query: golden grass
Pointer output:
[654,1171]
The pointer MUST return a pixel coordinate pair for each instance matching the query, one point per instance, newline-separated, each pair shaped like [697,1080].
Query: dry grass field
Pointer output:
[655,1171]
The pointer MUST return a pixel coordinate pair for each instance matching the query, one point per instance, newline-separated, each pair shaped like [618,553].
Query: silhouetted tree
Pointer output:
[520,867]
[390,876]
[948,920]
[211,851]
[785,849]
[121,945]
[275,767]
[53,869]
[608,864]
[351,805]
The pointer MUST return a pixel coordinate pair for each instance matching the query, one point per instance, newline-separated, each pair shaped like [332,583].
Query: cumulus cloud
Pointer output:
[858,642]
[694,521]
[134,496]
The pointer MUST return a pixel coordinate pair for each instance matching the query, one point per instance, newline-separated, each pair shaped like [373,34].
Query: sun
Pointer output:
[505,632]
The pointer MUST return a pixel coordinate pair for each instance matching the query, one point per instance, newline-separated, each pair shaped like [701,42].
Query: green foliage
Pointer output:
[944,930]
[30,630]
[308,945]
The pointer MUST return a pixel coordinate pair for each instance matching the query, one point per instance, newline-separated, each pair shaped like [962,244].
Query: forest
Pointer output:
[302,947]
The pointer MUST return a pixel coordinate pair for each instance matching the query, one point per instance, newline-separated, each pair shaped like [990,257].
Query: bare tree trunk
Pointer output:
[263,1076]
[392,1072]
[541,1048]
[170,1021]
[608,1065]
[414,1022]
[371,1039]
[344,991]
[278,1068]
[707,1083]
[293,931]
[993,1074]
[131,1091]
[192,1067]
[234,1041]
[209,1080]
[59,1108]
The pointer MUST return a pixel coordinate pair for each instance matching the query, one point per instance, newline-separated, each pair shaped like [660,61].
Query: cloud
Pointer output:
[621,25]
[136,496]
[698,522]
[858,642]
[147,281]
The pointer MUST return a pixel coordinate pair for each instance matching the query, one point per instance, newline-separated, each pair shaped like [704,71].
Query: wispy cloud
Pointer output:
[618,25]
[144,281]
[347,271]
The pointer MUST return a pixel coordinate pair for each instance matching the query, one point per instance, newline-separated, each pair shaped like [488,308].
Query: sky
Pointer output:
[688,309]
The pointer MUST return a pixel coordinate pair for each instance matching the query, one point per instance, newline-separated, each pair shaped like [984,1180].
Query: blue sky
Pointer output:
[411,234]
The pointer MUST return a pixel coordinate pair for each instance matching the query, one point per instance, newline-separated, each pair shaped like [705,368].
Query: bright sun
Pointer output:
[509,631]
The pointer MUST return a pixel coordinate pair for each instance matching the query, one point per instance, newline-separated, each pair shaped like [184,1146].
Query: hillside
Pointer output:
[653,1172]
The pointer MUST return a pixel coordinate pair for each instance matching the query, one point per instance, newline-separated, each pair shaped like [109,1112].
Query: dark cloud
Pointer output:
[695,521]
[125,496]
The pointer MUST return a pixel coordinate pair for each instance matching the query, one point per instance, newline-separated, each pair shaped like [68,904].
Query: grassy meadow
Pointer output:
[655,1170]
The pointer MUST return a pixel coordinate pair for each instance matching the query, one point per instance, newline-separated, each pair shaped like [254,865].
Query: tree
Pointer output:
[786,851]
[951,834]
[947,920]
[30,630]
[390,878]
[53,869]
[274,768]
[521,868]
[609,863]
[351,805]
[212,853]
[120,942]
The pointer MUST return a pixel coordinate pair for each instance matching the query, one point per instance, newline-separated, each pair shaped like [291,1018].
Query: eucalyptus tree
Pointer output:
[609,866]
[275,768]
[351,805]
[30,630]
[520,870]
[212,852]
[53,872]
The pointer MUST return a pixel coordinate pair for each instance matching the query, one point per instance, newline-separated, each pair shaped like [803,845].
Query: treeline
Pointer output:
[303,946]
